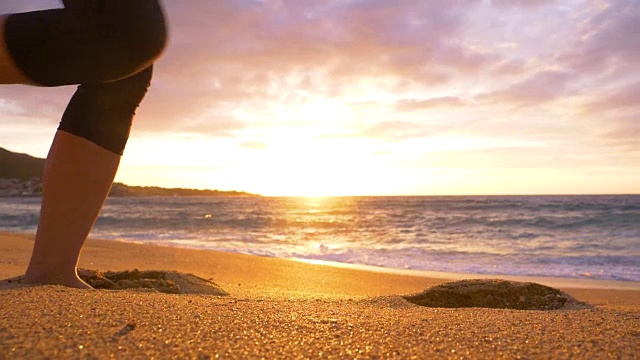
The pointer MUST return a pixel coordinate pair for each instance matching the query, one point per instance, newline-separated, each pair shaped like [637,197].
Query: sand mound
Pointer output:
[171,282]
[498,294]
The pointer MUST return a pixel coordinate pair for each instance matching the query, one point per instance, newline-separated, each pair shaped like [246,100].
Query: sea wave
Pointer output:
[570,236]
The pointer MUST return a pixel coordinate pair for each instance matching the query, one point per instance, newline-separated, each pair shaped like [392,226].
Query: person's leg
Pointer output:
[59,47]
[79,171]
[76,181]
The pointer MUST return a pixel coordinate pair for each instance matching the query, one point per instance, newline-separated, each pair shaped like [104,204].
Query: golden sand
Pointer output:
[289,309]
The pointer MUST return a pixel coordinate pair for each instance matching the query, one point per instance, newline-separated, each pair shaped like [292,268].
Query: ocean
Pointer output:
[595,237]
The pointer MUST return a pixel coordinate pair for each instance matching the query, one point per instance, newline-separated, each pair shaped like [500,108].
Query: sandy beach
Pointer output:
[279,308]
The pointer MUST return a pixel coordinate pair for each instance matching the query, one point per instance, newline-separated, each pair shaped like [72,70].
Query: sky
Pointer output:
[371,97]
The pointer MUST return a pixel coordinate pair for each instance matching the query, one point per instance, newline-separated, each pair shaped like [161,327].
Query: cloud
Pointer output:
[539,88]
[520,3]
[8,7]
[37,102]
[229,55]
[560,156]
[232,61]
[214,125]
[509,67]
[608,38]
[627,131]
[395,131]
[626,97]
[616,113]
[413,105]
[620,131]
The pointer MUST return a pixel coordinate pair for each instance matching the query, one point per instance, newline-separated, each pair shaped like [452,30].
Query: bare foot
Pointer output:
[72,280]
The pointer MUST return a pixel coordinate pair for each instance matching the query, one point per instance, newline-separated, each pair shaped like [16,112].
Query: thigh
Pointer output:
[10,73]
[87,42]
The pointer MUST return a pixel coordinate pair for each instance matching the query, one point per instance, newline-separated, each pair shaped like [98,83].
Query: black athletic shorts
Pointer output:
[89,41]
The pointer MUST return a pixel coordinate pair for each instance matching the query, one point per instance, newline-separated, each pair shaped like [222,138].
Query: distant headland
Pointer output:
[20,175]
[119,189]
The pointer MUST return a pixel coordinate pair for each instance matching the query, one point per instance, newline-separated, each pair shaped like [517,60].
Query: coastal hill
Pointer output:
[20,175]
[119,189]
[19,166]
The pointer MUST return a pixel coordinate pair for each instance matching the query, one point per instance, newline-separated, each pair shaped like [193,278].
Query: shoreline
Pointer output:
[553,281]
[119,255]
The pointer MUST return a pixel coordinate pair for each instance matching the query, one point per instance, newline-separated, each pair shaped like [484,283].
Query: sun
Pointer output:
[302,166]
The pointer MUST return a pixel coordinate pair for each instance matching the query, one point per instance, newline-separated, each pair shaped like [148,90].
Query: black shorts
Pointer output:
[89,41]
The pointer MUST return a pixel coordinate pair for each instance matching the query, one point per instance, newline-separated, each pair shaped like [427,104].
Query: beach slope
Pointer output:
[282,308]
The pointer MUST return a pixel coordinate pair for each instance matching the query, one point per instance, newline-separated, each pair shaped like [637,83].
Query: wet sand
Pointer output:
[283,308]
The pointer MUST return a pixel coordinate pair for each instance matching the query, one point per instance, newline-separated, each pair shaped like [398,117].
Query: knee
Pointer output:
[103,113]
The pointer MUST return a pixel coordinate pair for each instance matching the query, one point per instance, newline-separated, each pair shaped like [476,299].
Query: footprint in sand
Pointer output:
[171,282]
[498,294]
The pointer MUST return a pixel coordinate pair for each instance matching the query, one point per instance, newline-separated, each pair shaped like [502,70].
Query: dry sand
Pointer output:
[288,309]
